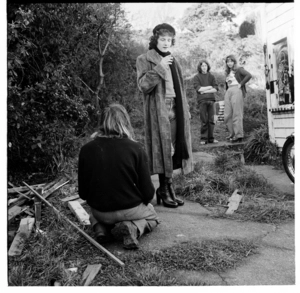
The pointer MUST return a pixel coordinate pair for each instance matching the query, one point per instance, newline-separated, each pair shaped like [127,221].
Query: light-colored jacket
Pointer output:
[151,76]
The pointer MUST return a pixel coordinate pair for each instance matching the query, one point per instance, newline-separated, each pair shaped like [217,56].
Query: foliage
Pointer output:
[212,184]
[52,71]
[255,110]
[246,29]
[199,17]
[259,148]
[211,33]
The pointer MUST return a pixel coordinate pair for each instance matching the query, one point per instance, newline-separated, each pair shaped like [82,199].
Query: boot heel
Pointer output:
[158,198]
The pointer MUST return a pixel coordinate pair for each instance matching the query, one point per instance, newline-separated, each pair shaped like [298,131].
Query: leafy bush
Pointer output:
[246,28]
[52,62]
[45,111]
[259,148]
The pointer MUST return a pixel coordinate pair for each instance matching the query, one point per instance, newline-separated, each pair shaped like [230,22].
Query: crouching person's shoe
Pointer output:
[102,238]
[127,232]
[101,234]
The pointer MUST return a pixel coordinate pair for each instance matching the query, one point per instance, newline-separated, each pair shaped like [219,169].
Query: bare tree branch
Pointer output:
[86,85]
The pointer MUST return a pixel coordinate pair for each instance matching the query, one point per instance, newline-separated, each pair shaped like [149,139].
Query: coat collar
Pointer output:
[153,56]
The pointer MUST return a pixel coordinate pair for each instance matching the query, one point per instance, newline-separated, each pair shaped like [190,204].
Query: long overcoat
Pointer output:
[151,76]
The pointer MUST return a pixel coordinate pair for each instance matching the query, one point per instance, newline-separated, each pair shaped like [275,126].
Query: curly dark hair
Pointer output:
[153,39]
[200,63]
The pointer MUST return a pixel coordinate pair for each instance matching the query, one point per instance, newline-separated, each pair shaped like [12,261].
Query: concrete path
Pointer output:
[275,263]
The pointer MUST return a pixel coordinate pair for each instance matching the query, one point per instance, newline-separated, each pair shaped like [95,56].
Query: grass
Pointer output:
[260,150]
[46,258]
[211,185]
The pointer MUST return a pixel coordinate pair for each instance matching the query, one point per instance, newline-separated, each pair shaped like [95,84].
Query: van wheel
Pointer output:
[288,158]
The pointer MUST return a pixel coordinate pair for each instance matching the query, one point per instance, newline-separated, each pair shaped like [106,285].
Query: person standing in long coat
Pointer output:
[166,113]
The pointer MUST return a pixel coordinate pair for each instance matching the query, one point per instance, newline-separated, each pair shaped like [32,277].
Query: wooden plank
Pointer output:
[23,198]
[58,185]
[23,233]
[12,200]
[70,198]
[38,208]
[90,273]
[22,188]
[29,212]
[79,212]
[15,211]
[234,202]
[49,185]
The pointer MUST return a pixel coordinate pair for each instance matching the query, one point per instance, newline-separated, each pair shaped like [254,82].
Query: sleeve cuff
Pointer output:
[160,70]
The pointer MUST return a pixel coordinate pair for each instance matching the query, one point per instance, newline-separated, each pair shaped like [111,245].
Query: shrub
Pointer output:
[259,148]
[247,28]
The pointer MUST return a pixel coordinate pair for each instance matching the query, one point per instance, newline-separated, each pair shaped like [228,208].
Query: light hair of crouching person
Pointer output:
[115,122]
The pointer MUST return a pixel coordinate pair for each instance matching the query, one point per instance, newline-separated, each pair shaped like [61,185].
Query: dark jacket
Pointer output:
[242,76]
[113,174]
[203,80]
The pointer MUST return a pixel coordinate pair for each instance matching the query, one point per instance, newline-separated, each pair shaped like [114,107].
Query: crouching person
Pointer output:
[114,179]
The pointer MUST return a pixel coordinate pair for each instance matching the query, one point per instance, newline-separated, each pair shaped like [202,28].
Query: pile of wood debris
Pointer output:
[21,201]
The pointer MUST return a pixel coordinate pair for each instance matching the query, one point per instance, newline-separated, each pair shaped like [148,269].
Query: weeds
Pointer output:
[259,148]
[211,185]
[45,259]
[227,161]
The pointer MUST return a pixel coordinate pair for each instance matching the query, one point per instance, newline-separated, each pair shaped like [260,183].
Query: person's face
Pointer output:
[230,63]
[204,67]
[164,43]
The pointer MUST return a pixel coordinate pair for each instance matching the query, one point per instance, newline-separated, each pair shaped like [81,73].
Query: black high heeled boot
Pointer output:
[162,193]
[179,201]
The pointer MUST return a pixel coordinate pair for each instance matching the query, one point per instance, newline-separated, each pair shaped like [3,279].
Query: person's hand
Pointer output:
[166,61]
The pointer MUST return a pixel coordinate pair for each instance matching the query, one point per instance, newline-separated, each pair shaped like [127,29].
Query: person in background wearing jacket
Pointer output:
[166,113]
[114,179]
[236,78]
[205,86]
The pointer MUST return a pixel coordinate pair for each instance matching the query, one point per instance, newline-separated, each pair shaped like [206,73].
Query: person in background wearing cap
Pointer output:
[166,113]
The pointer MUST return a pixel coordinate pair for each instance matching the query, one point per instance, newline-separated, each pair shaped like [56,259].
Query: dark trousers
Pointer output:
[207,122]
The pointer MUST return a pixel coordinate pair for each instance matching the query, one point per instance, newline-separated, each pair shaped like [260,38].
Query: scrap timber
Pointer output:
[89,238]
[23,233]
[17,207]
[90,273]
[79,212]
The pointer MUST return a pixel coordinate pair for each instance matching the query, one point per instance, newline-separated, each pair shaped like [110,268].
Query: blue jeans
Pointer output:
[207,122]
